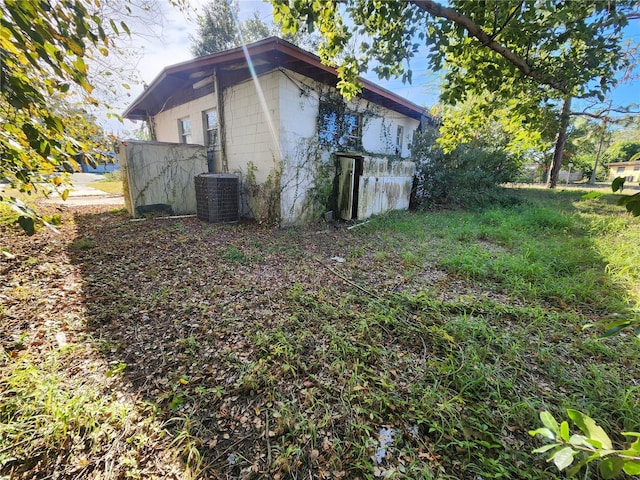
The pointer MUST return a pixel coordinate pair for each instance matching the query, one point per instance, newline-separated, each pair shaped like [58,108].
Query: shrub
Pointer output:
[469,175]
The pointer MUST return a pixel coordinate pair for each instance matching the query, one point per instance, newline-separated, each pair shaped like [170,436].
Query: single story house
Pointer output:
[270,113]
[629,170]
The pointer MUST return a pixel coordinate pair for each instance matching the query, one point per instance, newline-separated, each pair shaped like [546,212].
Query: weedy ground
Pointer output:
[416,345]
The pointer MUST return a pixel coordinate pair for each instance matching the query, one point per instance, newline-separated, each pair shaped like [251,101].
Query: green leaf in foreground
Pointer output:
[618,184]
[614,327]
[596,435]
[631,203]
[27,224]
[563,457]
[550,422]
[632,468]
[611,467]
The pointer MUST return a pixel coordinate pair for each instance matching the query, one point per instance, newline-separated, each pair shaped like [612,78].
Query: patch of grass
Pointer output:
[47,418]
[83,244]
[234,255]
[113,176]
[111,187]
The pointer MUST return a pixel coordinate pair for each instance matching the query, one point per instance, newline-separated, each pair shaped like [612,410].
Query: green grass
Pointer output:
[428,353]
[43,409]
[112,187]
[110,182]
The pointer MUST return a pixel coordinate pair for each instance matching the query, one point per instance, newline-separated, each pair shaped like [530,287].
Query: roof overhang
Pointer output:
[624,164]
[186,81]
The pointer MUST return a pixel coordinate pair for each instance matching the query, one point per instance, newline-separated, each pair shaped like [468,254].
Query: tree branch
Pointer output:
[509,18]
[438,10]
[604,114]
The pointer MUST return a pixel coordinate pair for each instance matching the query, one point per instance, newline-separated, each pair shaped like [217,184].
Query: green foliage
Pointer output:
[41,411]
[233,255]
[467,175]
[263,199]
[45,46]
[218,29]
[526,56]
[557,46]
[622,151]
[593,445]
[630,202]
[494,122]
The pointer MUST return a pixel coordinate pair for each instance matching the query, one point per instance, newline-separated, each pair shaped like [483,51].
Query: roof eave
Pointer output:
[371,91]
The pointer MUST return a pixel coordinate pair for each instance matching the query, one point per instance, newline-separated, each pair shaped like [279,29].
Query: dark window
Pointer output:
[399,137]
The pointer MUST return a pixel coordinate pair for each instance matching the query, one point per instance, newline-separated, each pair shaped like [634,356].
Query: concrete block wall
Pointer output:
[299,104]
[280,135]
[380,132]
[250,129]
[384,185]
[298,132]
[158,173]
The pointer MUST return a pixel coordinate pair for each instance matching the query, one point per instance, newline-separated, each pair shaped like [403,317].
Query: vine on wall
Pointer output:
[263,199]
[314,159]
[310,181]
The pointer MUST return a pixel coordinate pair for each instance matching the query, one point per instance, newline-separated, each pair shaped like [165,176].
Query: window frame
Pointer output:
[210,131]
[186,135]
[339,128]
[399,139]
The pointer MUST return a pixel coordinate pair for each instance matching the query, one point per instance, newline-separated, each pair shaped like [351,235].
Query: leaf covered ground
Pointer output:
[417,345]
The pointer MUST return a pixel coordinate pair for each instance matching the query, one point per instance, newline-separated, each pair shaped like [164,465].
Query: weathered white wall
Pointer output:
[380,132]
[166,122]
[158,173]
[282,134]
[251,132]
[384,185]
[298,139]
[299,104]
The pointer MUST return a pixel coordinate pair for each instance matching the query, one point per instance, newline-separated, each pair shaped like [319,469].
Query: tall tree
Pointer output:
[44,46]
[546,53]
[47,88]
[219,28]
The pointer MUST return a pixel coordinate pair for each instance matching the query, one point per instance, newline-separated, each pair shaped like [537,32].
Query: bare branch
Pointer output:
[506,22]
[605,114]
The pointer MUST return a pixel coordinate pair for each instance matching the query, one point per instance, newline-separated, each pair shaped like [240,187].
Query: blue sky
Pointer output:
[172,45]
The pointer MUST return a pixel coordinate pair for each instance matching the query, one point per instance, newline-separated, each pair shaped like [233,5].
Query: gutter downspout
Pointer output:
[221,122]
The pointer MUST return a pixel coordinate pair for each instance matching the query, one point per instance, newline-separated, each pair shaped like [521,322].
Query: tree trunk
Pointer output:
[592,179]
[562,139]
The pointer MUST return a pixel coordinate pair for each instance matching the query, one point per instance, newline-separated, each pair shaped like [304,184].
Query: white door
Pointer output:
[346,186]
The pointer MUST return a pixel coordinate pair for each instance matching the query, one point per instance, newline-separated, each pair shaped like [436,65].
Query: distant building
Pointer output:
[629,170]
